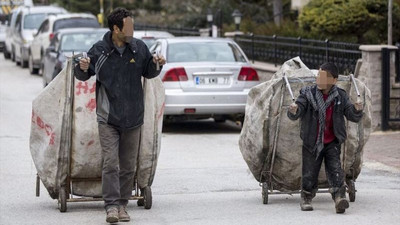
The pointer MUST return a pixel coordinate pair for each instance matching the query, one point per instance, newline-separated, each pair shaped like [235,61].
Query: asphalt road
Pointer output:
[201,177]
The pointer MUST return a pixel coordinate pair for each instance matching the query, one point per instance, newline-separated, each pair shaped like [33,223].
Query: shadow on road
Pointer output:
[201,126]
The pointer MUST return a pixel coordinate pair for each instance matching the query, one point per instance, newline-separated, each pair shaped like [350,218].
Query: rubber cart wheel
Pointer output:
[265,193]
[352,191]
[63,199]
[140,202]
[147,198]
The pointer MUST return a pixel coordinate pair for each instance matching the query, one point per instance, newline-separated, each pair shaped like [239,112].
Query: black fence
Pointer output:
[390,104]
[277,50]
[313,53]
[177,31]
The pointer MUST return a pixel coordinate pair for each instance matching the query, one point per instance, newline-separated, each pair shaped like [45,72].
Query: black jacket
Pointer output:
[119,93]
[309,117]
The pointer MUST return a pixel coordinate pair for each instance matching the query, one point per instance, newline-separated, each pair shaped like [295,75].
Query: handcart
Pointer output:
[65,144]
[275,157]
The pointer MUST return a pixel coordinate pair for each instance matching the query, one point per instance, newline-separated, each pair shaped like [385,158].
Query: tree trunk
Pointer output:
[278,16]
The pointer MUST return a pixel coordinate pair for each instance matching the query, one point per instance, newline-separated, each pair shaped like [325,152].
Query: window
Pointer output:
[79,41]
[18,21]
[204,52]
[45,26]
[33,21]
[75,22]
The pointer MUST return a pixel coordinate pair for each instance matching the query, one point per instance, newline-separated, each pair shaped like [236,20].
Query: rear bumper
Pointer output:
[217,103]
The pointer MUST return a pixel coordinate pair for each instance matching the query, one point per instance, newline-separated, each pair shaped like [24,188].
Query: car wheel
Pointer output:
[32,70]
[12,54]
[23,63]
[7,55]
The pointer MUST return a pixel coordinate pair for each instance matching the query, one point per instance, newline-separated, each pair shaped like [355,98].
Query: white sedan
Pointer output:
[205,78]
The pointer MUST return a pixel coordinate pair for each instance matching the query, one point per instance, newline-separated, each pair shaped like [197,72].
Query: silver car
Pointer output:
[66,43]
[205,78]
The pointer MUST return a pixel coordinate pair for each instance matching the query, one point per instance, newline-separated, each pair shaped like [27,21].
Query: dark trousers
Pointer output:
[119,156]
[311,167]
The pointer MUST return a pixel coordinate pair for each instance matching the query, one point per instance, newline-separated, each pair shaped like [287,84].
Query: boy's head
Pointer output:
[120,22]
[327,76]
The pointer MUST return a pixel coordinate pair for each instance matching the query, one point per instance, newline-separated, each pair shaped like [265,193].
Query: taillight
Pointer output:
[248,74]
[51,36]
[175,74]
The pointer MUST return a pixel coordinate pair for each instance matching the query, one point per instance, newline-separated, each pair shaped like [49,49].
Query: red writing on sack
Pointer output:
[82,87]
[43,126]
[91,105]
[161,111]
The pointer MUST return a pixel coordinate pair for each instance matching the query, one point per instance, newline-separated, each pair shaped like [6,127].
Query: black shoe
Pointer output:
[305,205]
[341,204]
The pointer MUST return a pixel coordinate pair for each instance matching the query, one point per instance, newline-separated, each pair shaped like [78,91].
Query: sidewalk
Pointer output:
[382,151]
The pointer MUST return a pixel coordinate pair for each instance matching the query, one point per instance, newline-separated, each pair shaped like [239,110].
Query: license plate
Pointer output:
[206,80]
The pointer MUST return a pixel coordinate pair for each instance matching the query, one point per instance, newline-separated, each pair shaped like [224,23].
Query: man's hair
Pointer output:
[117,16]
[330,68]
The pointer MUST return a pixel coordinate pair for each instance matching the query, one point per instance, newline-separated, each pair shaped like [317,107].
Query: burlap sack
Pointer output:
[275,156]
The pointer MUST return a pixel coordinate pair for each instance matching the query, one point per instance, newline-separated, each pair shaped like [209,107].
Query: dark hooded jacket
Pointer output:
[119,93]
[309,117]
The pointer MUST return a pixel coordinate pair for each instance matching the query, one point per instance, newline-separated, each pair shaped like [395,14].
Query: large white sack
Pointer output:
[85,150]
[275,156]
[150,143]
[46,140]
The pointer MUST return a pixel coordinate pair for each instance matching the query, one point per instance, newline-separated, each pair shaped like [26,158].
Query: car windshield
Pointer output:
[204,52]
[33,21]
[79,42]
[76,22]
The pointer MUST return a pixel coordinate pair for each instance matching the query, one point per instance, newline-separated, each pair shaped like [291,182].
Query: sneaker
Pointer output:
[341,204]
[305,204]
[112,215]
[123,215]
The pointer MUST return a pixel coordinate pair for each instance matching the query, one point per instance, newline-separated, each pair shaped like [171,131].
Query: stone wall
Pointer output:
[370,73]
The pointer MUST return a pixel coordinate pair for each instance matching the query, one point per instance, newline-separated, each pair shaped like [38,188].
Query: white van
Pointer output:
[26,23]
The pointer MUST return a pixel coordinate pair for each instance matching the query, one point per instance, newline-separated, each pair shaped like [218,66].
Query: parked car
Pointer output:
[205,78]
[149,37]
[49,27]
[7,9]
[27,22]
[9,34]
[65,43]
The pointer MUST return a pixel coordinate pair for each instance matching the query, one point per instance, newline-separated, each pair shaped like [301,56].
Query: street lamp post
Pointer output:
[210,20]
[237,16]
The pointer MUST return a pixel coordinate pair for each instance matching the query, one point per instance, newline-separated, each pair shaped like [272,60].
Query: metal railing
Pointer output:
[277,49]
[390,104]
[313,53]
[177,31]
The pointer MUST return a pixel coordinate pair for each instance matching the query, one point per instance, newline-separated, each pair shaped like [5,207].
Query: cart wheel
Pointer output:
[63,199]
[352,191]
[140,201]
[265,193]
[147,198]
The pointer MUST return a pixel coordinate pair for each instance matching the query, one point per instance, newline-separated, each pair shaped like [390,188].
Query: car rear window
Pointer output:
[204,52]
[33,21]
[75,22]
[79,41]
